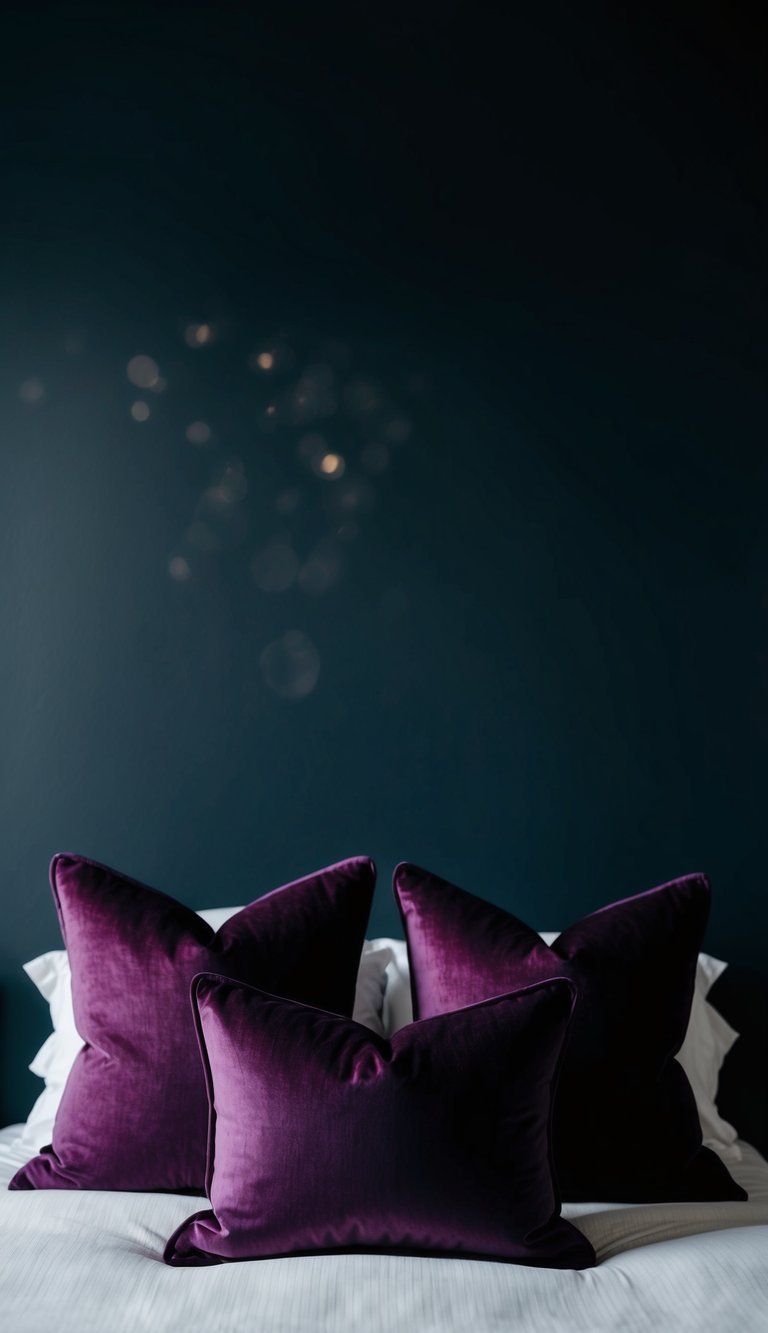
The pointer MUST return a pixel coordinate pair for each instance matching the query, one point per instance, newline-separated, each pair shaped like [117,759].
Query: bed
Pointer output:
[90,1260]
[82,1262]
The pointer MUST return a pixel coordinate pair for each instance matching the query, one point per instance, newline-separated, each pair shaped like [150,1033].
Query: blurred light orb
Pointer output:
[291,665]
[270,410]
[324,462]
[32,391]
[375,457]
[278,357]
[275,568]
[143,371]
[331,465]
[322,569]
[160,385]
[217,498]
[287,502]
[231,487]
[198,335]
[198,432]
[178,568]
[140,410]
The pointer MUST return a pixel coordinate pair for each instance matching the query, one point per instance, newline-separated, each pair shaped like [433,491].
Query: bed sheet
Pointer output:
[79,1262]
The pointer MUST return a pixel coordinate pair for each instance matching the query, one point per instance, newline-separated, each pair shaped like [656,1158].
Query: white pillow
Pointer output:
[372,985]
[707,1041]
[50,973]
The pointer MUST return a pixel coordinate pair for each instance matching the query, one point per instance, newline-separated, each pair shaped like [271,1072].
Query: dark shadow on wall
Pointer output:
[19,1041]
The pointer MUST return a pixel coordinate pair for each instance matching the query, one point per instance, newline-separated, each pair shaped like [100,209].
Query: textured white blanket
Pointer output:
[92,1263]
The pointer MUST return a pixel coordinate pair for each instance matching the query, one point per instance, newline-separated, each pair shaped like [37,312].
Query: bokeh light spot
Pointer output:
[32,391]
[198,432]
[140,410]
[179,569]
[198,335]
[321,570]
[277,357]
[324,462]
[331,465]
[143,371]
[231,487]
[291,665]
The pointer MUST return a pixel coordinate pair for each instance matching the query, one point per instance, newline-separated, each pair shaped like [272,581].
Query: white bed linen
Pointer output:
[79,1262]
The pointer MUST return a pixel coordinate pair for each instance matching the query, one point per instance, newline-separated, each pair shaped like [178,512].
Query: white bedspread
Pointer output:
[75,1262]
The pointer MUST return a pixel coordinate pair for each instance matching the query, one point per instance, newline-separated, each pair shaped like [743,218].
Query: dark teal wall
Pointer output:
[543,662]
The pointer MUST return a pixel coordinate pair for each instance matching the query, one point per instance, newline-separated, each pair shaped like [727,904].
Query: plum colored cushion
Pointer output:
[707,1041]
[53,1062]
[326,1137]
[625,1124]
[134,1113]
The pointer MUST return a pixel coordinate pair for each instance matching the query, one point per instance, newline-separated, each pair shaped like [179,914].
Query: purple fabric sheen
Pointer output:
[625,1125]
[134,1114]
[326,1137]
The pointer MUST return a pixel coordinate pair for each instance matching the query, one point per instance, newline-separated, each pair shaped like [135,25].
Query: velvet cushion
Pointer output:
[325,1136]
[625,1124]
[134,1113]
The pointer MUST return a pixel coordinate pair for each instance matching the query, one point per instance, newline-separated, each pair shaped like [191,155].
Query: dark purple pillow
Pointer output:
[134,1114]
[325,1137]
[625,1124]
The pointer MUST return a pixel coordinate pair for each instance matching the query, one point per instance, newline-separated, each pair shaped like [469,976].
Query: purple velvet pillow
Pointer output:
[625,1124]
[134,1114]
[324,1136]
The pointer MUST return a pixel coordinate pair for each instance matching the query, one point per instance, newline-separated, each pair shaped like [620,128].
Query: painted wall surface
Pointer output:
[474,571]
